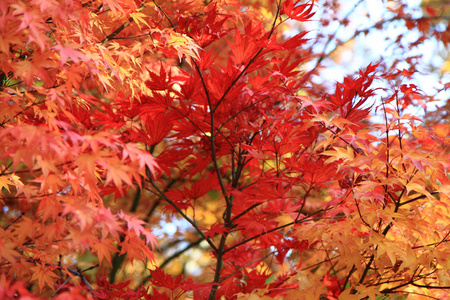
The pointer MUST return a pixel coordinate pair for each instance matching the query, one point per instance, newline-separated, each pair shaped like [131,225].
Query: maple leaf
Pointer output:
[339,154]
[117,173]
[157,128]
[119,8]
[204,33]
[230,286]
[10,288]
[160,83]
[294,42]
[296,11]
[216,228]
[178,197]
[254,280]
[133,223]
[104,248]
[139,18]
[370,292]
[103,282]
[317,173]
[70,51]
[4,182]
[333,286]
[136,225]
[135,248]
[32,20]
[145,159]
[201,187]
[242,48]
[161,279]
[7,249]
[35,68]
[44,275]
[108,223]
[185,46]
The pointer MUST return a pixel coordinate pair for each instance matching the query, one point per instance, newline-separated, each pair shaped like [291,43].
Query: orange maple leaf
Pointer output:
[44,275]
[104,249]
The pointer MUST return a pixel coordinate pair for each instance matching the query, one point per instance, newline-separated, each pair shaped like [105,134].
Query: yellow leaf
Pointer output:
[411,259]
[16,180]
[412,186]
[445,67]
[283,220]
[4,181]
[339,153]
[138,17]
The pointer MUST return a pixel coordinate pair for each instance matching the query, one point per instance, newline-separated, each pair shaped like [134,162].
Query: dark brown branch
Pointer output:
[162,10]
[347,278]
[239,112]
[306,219]
[245,266]
[417,198]
[430,286]
[13,221]
[252,60]
[202,234]
[320,262]
[229,200]
[175,255]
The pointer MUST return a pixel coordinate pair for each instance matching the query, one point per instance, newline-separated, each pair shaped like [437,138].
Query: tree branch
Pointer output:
[14,221]
[175,255]
[202,234]
[306,219]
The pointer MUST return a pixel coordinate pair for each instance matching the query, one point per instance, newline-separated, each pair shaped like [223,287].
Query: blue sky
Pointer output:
[377,45]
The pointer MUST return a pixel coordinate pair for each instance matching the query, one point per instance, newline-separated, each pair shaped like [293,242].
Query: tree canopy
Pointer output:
[199,150]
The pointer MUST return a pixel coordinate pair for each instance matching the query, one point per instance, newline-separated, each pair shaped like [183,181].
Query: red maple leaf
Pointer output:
[298,12]
[160,82]
[161,279]
[216,228]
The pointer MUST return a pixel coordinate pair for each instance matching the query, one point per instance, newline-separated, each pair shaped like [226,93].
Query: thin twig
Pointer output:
[245,266]
[175,255]
[202,234]
[57,290]
[253,59]
[13,221]
[306,219]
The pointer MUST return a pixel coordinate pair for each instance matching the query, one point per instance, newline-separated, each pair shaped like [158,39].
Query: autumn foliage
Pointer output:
[123,120]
